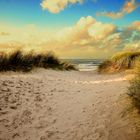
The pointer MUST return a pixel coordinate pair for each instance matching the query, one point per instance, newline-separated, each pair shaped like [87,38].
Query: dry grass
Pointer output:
[134,89]
[18,61]
[120,61]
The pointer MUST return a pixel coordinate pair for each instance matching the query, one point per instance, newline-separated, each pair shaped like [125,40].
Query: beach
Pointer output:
[64,105]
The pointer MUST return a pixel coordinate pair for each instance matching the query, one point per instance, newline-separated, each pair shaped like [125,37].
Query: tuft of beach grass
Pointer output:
[19,61]
[134,88]
[120,61]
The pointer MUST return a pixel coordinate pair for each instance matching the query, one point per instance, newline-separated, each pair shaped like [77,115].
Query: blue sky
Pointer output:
[22,12]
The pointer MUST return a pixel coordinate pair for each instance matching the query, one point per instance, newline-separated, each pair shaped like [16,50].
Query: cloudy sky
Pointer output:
[70,28]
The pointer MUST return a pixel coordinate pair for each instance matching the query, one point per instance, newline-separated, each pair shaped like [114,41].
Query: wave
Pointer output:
[86,64]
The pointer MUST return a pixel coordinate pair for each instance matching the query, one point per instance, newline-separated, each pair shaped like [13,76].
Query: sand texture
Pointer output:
[61,105]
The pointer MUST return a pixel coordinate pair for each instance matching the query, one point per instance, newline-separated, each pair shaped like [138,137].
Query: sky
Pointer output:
[70,28]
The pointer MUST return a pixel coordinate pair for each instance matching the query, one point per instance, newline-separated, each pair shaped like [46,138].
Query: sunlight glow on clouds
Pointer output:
[86,31]
[55,6]
[62,34]
[128,7]
[86,39]
[136,25]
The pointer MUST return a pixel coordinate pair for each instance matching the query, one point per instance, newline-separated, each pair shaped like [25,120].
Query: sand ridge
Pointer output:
[61,105]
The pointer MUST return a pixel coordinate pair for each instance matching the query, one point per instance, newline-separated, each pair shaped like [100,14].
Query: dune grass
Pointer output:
[19,61]
[134,88]
[120,61]
[125,61]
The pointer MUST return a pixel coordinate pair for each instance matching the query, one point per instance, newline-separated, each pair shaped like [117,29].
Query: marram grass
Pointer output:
[19,61]
[120,61]
[134,89]
[124,61]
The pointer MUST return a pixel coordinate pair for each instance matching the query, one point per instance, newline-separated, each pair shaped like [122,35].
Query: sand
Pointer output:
[63,105]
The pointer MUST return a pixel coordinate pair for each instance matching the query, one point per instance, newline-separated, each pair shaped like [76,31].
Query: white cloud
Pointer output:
[135,25]
[86,29]
[55,6]
[128,7]
[88,38]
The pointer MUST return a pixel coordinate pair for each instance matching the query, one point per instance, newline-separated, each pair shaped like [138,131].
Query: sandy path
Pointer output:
[55,105]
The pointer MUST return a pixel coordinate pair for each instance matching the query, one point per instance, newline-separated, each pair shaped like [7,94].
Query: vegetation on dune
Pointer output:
[18,61]
[124,61]
[120,61]
[134,89]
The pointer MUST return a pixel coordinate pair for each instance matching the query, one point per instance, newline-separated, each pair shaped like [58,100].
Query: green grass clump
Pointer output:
[120,61]
[19,61]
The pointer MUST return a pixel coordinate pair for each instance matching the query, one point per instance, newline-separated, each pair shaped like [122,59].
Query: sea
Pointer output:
[85,64]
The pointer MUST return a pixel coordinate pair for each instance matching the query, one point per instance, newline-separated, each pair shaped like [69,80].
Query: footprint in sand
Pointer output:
[14,107]
[53,90]
[49,133]
[5,90]
[15,135]
[38,99]
[61,90]
[36,92]
[4,84]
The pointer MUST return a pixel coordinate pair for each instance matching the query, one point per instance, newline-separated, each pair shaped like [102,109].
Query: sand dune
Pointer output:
[58,105]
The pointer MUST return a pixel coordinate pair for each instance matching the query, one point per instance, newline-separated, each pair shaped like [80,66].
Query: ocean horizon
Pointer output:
[85,64]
